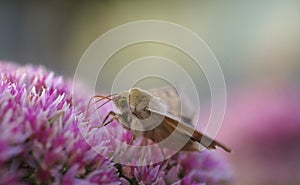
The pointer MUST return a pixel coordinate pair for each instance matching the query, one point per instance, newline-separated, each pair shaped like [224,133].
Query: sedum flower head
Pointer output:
[41,142]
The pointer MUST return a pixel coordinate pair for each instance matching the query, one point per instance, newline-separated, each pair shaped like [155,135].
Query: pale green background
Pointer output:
[253,40]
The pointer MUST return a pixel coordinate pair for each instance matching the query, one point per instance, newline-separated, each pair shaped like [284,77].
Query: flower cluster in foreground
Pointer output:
[41,143]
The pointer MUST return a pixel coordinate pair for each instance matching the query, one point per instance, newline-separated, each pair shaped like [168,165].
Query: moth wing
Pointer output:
[179,106]
[170,125]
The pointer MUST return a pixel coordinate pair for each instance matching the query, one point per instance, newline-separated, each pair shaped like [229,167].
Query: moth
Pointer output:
[146,114]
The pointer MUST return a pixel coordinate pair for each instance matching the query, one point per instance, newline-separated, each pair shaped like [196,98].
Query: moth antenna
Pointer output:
[99,107]
[100,99]
[90,100]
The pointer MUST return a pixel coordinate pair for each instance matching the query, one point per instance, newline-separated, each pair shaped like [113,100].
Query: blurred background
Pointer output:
[256,42]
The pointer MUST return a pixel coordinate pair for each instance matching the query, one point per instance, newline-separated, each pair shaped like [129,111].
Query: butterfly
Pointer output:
[154,115]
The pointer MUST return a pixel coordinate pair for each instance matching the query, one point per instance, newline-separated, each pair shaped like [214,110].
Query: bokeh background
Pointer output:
[256,42]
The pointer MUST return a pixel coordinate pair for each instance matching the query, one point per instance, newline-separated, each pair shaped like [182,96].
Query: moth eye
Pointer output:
[122,102]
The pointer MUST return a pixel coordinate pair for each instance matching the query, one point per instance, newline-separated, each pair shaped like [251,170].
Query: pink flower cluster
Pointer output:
[41,143]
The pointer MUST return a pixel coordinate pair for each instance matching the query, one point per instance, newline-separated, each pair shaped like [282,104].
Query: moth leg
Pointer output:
[159,138]
[114,117]
[162,151]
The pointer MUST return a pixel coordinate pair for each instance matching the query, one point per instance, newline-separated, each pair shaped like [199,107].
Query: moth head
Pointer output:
[121,101]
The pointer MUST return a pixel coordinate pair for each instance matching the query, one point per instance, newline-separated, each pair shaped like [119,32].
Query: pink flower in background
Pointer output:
[204,167]
[41,141]
[262,125]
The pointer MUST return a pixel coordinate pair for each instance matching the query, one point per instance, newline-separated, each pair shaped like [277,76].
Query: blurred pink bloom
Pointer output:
[262,125]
